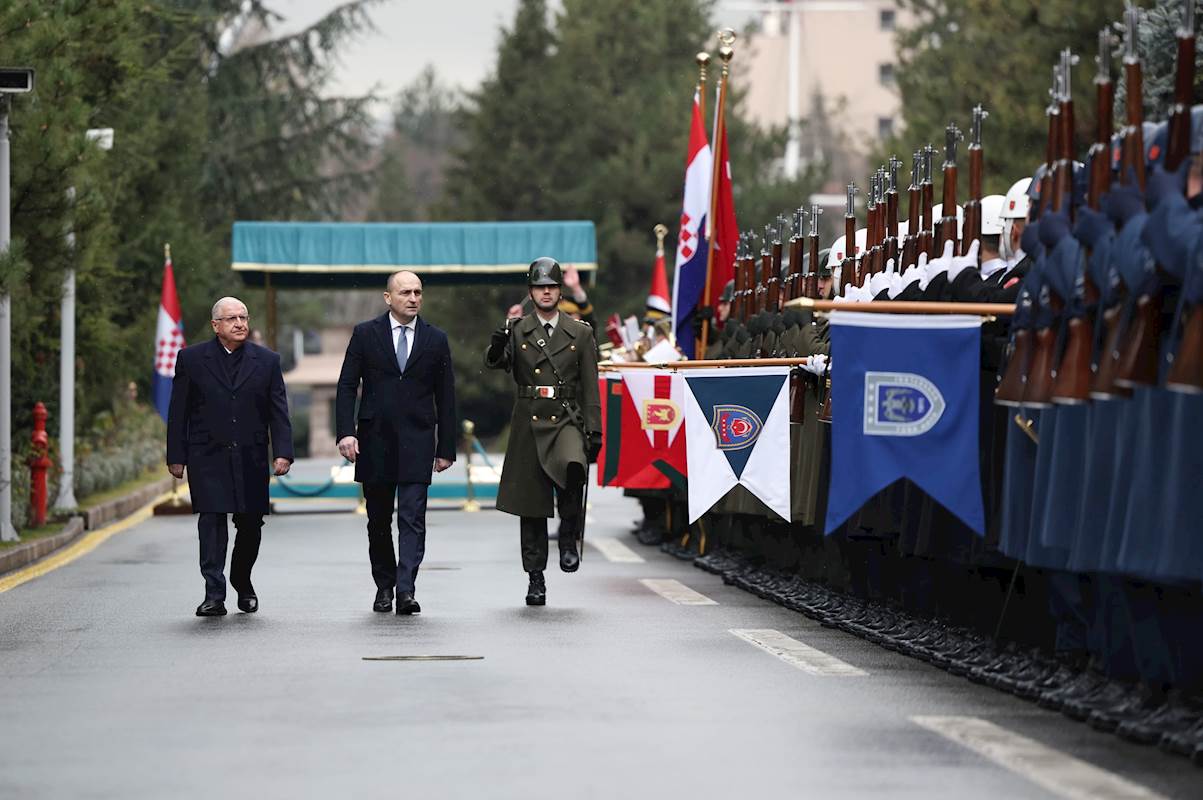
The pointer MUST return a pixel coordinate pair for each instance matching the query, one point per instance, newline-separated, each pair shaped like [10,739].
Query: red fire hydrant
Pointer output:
[38,464]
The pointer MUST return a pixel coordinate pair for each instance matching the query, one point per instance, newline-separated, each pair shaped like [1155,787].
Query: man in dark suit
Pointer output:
[227,398]
[405,431]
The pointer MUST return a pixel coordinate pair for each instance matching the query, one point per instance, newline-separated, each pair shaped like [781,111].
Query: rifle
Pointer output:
[877,234]
[739,304]
[1038,389]
[848,265]
[1132,169]
[793,280]
[927,195]
[772,292]
[890,253]
[811,287]
[910,245]
[973,206]
[766,266]
[948,222]
[1139,361]
[1012,389]
[1072,384]
[867,260]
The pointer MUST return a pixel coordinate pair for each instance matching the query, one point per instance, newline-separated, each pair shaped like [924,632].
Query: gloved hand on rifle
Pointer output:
[961,263]
[593,446]
[915,272]
[940,264]
[879,283]
[816,364]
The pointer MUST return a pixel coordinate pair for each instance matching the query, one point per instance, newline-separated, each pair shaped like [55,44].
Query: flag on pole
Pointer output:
[643,441]
[657,296]
[169,338]
[724,227]
[737,432]
[904,392]
[689,277]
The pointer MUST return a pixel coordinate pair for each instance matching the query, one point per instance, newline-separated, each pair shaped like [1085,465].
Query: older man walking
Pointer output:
[227,401]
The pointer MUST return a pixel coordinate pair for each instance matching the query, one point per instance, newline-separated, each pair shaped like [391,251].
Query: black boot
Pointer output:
[570,561]
[536,593]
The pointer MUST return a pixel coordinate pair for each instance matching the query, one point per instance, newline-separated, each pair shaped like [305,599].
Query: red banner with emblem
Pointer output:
[643,436]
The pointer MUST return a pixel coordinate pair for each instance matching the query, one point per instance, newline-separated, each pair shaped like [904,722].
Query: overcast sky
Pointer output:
[459,37]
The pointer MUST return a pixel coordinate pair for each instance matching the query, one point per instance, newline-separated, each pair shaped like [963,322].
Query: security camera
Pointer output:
[16,80]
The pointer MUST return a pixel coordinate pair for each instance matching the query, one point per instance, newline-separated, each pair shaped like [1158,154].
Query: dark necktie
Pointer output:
[402,349]
[547,327]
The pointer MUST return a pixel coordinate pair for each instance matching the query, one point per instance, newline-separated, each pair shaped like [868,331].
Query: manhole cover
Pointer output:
[423,658]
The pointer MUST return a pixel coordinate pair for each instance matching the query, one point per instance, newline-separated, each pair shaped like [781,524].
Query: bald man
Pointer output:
[402,432]
[227,404]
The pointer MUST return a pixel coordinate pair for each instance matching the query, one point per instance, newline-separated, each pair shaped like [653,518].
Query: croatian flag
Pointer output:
[737,432]
[904,395]
[169,338]
[689,278]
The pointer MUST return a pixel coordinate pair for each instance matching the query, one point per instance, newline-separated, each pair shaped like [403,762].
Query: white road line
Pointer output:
[797,654]
[615,550]
[677,592]
[1061,774]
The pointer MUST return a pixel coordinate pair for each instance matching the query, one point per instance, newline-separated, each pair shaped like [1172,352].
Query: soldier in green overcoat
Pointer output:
[555,429]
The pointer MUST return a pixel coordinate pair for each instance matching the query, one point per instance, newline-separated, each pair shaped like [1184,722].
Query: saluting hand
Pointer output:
[281,466]
[348,447]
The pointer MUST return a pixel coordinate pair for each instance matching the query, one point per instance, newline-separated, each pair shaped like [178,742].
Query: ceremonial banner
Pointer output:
[904,404]
[689,279]
[737,432]
[169,339]
[643,441]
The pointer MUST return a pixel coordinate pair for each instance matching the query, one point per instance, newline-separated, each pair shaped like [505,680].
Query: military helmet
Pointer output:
[728,292]
[824,265]
[992,219]
[544,271]
[1017,200]
[1156,144]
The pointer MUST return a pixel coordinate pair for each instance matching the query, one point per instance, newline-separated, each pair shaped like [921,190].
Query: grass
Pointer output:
[49,529]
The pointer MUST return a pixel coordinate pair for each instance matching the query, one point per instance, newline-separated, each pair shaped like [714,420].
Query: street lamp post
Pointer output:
[13,80]
[103,138]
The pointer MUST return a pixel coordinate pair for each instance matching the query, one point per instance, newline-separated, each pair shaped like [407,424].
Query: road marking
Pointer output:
[423,658]
[82,546]
[797,654]
[615,550]
[677,592]
[1061,774]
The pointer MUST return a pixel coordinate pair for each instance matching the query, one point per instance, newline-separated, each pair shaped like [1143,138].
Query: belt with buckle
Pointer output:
[550,392]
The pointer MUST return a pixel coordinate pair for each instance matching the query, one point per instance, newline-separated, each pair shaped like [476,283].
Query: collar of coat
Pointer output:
[215,351]
[384,335]
[567,329]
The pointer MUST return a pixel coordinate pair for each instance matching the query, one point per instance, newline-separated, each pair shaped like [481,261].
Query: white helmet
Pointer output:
[937,213]
[835,255]
[862,240]
[992,223]
[1015,204]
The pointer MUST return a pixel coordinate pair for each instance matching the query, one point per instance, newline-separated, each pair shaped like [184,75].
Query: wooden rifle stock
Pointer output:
[927,197]
[910,244]
[948,223]
[772,290]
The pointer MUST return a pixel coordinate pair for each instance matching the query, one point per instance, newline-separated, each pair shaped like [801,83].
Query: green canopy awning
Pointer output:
[333,254]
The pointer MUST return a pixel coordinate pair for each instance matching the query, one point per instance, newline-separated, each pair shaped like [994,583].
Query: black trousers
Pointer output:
[396,569]
[214,539]
[533,530]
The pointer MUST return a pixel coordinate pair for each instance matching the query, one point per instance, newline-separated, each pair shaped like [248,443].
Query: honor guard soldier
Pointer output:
[555,429]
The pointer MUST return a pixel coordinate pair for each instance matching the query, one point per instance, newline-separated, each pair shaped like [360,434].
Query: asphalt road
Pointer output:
[110,687]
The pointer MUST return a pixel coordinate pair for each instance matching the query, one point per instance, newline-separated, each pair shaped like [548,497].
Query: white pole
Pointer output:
[793,145]
[66,373]
[7,532]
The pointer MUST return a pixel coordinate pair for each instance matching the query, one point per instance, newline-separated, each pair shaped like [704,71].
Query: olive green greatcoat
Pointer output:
[544,441]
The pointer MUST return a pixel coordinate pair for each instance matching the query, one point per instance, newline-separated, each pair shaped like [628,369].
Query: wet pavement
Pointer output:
[622,686]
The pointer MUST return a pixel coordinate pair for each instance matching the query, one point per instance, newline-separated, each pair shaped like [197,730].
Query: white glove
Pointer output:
[897,284]
[921,275]
[961,263]
[939,265]
[816,365]
[878,283]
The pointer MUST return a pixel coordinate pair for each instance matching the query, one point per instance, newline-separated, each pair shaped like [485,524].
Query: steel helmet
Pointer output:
[1017,200]
[992,206]
[544,271]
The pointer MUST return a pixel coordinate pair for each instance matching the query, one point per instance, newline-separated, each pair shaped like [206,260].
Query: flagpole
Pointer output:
[703,59]
[726,38]
[615,366]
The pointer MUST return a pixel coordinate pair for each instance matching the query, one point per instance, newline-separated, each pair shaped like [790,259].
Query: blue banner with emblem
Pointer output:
[905,405]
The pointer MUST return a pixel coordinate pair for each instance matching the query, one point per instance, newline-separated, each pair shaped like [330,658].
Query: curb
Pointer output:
[100,515]
[30,552]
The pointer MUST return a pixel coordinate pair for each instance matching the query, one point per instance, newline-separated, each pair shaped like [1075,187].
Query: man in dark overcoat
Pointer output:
[404,431]
[227,403]
[555,428]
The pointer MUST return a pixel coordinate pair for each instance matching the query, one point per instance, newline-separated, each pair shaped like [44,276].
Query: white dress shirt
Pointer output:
[409,328]
[552,322]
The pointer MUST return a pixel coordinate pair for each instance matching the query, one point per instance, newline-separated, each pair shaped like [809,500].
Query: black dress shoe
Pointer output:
[406,604]
[536,592]
[569,560]
[384,601]
[211,608]
[248,603]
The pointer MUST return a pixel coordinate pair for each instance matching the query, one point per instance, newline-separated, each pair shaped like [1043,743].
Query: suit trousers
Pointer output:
[214,539]
[396,570]
[533,530]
